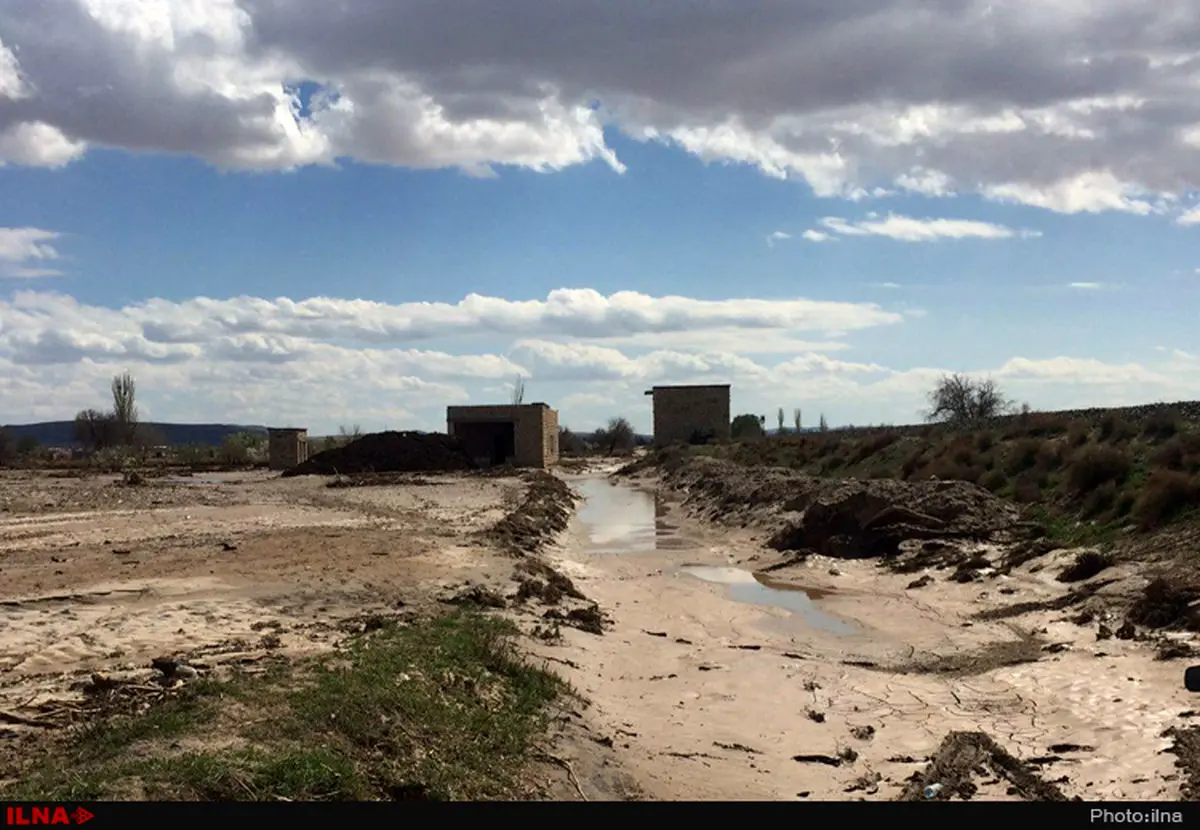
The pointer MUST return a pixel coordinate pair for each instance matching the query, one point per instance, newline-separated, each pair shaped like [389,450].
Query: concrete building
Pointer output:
[286,447]
[691,414]
[525,435]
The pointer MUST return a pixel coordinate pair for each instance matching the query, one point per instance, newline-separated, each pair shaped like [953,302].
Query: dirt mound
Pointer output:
[847,518]
[389,452]
[1167,604]
[965,756]
[545,512]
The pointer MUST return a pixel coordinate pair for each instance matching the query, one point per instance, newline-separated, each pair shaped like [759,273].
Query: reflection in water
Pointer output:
[756,589]
[619,519]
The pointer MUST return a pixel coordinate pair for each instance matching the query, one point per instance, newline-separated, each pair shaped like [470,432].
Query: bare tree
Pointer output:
[780,418]
[518,393]
[351,433]
[6,445]
[796,419]
[823,425]
[617,436]
[125,414]
[959,398]
[95,430]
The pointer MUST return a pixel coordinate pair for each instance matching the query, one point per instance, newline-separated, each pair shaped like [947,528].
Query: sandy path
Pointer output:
[96,576]
[712,698]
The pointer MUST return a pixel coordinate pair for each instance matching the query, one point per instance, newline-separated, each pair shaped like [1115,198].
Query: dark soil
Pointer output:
[1061,603]
[1025,649]
[536,579]
[965,756]
[545,513]
[1085,566]
[1166,605]
[389,452]
[848,518]
[1186,748]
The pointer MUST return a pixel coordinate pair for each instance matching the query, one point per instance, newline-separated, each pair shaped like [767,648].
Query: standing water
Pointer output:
[619,519]
[754,589]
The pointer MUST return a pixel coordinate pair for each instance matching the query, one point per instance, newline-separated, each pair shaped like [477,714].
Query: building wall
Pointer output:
[535,429]
[682,411]
[286,448]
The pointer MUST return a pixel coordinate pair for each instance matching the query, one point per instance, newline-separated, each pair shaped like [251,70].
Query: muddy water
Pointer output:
[624,520]
[620,519]
[755,589]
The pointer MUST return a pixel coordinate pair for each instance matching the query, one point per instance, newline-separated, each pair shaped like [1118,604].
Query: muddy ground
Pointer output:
[970,666]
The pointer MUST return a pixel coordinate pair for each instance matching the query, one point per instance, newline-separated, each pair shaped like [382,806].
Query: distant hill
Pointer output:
[62,433]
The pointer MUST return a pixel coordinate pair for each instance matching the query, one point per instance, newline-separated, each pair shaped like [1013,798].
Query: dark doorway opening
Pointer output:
[488,442]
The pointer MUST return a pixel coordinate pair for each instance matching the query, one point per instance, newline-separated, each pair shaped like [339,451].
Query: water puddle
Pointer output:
[622,519]
[757,589]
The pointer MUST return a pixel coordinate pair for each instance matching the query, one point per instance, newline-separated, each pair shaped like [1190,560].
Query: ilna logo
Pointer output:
[17,816]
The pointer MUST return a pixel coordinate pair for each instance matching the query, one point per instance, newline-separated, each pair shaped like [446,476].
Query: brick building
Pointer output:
[286,447]
[525,435]
[692,414]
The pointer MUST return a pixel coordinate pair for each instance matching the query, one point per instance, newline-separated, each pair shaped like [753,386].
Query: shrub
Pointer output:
[1116,429]
[1050,455]
[1161,424]
[984,441]
[1027,488]
[1167,494]
[1022,456]
[1100,500]
[995,481]
[1077,434]
[1093,466]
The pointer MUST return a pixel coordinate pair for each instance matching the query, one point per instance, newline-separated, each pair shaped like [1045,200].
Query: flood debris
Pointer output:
[537,580]
[476,596]
[1185,747]
[964,757]
[1165,604]
[544,513]
[1086,565]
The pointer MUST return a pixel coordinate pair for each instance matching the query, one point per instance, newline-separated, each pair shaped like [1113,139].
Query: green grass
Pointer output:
[442,710]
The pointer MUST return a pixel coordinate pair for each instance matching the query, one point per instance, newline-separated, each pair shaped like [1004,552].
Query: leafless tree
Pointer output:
[125,414]
[518,392]
[95,430]
[960,398]
[617,436]
[780,418]
[796,419]
[823,425]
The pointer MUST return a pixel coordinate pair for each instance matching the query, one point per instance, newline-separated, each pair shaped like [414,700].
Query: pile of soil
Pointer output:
[848,518]
[389,452]
[965,756]
[1167,604]
[545,512]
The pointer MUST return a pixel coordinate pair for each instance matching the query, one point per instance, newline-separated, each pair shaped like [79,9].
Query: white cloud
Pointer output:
[818,236]
[888,285]
[21,247]
[908,229]
[1191,217]
[777,236]
[1074,108]
[1086,286]
[324,362]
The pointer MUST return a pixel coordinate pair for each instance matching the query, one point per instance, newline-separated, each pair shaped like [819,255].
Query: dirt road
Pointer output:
[718,685]
[829,680]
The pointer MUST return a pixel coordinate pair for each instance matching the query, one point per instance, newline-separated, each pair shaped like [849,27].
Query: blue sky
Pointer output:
[427,234]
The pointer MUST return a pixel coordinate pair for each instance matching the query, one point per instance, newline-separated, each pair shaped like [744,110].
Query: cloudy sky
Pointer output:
[320,213]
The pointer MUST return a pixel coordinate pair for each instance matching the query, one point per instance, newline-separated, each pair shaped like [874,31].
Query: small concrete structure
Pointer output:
[524,435]
[286,447]
[691,414]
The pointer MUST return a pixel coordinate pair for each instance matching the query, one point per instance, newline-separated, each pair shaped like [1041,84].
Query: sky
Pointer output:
[314,213]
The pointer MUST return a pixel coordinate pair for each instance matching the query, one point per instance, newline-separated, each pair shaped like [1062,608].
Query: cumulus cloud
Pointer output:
[327,361]
[777,236]
[818,236]
[1071,107]
[1190,217]
[23,249]
[908,229]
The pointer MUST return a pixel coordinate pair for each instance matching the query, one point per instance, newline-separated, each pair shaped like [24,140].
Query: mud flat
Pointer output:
[731,671]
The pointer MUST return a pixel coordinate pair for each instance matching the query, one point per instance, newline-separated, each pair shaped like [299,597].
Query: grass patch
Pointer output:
[441,710]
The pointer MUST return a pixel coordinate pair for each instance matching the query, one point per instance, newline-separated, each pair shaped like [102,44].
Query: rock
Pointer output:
[1103,632]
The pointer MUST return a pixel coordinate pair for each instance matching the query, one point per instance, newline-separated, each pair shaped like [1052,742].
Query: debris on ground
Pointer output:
[389,452]
[589,618]
[536,579]
[846,518]
[477,596]
[1167,605]
[544,513]
[1186,749]
[1026,648]
[395,479]
[965,756]
[1086,565]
